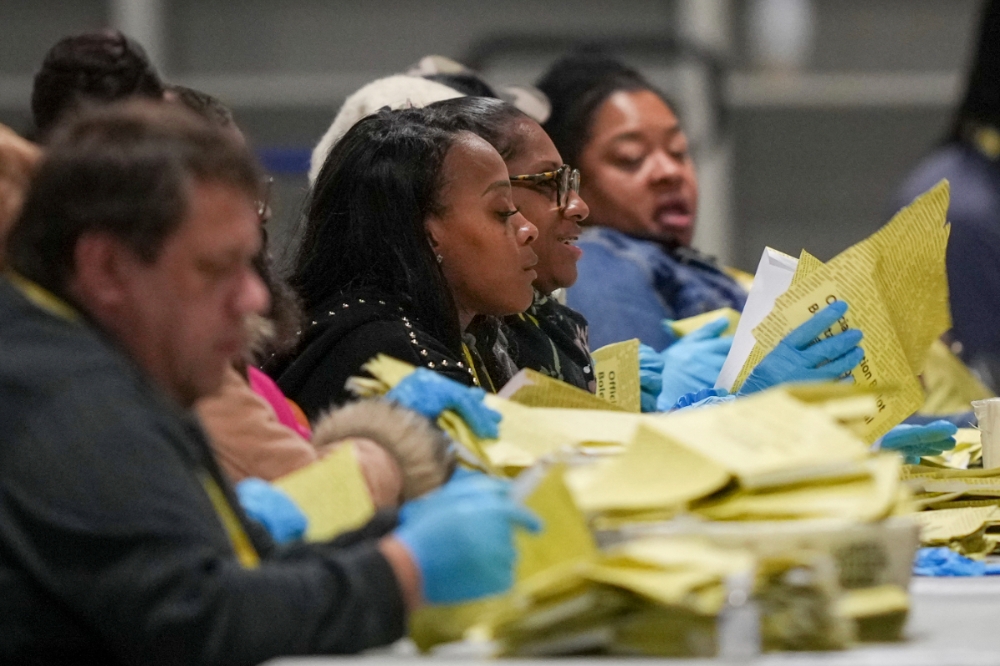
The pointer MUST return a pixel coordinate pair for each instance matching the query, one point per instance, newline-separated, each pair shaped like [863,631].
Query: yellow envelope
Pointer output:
[616,369]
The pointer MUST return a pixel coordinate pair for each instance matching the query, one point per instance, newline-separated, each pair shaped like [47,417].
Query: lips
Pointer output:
[673,213]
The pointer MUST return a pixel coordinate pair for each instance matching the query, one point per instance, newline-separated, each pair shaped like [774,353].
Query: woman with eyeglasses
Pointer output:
[412,245]
[548,337]
[639,180]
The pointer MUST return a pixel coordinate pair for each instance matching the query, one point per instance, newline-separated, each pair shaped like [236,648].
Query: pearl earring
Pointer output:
[439,258]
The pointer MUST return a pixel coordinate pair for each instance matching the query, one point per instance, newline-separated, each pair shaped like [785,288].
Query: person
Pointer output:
[18,160]
[411,244]
[969,157]
[120,539]
[637,176]
[90,68]
[548,337]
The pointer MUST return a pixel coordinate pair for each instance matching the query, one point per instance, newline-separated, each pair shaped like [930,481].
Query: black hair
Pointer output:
[491,119]
[577,85]
[93,67]
[207,106]
[123,169]
[365,219]
[981,103]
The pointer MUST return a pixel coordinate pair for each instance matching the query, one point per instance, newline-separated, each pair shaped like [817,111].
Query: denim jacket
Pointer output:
[628,286]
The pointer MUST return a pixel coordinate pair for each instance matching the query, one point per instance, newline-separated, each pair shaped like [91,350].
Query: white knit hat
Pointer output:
[399,91]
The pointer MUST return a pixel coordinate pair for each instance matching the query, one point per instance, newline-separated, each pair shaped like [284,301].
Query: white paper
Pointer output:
[773,277]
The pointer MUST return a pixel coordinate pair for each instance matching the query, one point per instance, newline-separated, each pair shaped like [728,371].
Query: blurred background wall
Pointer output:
[805,114]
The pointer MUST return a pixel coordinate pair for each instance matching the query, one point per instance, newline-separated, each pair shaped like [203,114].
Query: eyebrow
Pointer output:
[638,136]
[496,185]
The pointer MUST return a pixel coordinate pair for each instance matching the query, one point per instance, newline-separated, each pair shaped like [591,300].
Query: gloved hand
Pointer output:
[428,393]
[693,362]
[461,537]
[650,376]
[798,359]
[914,441]
[703,398]
[273,509]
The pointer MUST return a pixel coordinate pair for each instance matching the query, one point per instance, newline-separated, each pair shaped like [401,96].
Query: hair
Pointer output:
[577,85]
[208,107]
[90,68]
[981,103]
[491,119]
[365,219]
[126,170]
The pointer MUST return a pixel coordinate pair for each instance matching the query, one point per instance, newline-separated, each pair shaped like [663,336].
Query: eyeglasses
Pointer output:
[565,178]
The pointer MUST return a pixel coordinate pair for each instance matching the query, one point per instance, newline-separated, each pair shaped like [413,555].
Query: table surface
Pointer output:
[953,622]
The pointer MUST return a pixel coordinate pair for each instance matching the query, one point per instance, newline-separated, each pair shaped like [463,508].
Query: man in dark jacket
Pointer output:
[120,540]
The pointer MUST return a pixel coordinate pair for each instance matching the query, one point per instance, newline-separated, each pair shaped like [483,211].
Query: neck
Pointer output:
[465,318]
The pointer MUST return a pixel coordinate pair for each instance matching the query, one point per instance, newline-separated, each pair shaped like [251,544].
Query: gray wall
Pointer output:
[812,165]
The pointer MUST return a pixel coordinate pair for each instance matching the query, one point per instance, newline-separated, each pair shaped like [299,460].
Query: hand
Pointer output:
[461,537]
[693,362]
[914,441]
[650,376]
[703,398]
[273,509]
[428,393]
[799,358]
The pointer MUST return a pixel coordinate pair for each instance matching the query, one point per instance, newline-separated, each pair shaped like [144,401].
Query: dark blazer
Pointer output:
[112,548]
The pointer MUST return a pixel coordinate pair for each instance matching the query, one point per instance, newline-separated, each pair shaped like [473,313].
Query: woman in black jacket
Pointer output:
[412,246]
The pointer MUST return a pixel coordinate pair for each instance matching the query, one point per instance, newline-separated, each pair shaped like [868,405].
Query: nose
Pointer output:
[576,208]
[663,167]
[252,297]
[526,231]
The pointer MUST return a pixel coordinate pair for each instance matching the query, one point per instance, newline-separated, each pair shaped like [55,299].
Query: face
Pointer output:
[558,228]
[183,315]
[483,241]
[637,174]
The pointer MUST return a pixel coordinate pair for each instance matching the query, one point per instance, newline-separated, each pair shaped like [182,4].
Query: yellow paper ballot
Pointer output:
[682,327]
[654,472]
[533,389]
[616,368]
[940,527]
[896,286]
[768,439]
[332,493]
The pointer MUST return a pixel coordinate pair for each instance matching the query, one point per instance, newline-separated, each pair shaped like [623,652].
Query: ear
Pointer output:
[101,274]
[435,231]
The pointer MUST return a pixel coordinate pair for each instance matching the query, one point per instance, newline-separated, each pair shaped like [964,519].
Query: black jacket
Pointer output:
[111,550]
[343,334]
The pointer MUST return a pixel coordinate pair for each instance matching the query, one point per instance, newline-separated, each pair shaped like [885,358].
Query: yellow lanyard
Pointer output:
[42,297]
[475,373]
[245,551]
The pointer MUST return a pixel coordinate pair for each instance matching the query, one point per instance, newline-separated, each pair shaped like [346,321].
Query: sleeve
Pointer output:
[102,511]
[246,437]
[326,386]
[618,300]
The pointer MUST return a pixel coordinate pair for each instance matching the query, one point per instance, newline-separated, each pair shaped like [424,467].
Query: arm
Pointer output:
[114,525]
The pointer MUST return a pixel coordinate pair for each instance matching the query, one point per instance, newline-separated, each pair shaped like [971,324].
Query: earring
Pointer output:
[439,258]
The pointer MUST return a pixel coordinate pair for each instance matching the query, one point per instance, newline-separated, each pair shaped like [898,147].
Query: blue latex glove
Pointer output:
[650,376]
[461,537]
[914,441]
[702,398]
[946,562]
[273,509]
[799,358]
[429,393]
[693,362]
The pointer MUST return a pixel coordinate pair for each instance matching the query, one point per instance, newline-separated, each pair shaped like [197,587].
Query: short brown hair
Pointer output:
[124,169]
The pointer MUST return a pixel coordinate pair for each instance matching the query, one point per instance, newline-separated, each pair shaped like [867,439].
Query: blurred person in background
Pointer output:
[90,68]
[969,158]
[18,160]
[637,176]
[120,539]
[412,245]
